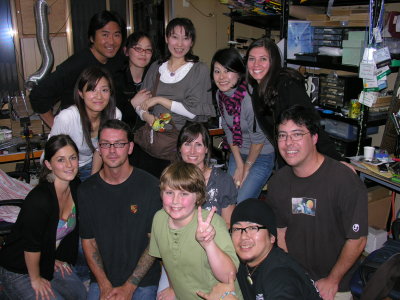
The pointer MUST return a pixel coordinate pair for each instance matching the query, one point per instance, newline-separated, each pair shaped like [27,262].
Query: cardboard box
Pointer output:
[379,202]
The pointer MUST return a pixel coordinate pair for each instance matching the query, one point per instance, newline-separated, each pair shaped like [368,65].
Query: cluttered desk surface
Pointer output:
[372,172]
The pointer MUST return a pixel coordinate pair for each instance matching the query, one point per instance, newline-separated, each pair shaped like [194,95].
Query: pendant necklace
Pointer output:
[172,73]
[248,277]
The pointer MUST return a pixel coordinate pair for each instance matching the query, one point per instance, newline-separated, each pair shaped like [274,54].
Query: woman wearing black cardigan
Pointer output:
[35,261]
[276,89]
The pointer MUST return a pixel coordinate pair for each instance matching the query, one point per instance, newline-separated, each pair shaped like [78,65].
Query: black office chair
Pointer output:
[5,227]
[378,276]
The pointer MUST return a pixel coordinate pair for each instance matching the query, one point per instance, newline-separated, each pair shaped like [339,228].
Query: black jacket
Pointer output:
[290,92]
[35,231]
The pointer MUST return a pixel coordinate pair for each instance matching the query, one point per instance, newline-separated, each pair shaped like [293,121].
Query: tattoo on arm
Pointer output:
[97,257]
[143,265]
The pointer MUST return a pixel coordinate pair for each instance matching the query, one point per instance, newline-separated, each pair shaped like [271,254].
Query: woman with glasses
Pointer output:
[94,104]
[139,49]
[276,89]
[252,154]
[179,85]
[36,258]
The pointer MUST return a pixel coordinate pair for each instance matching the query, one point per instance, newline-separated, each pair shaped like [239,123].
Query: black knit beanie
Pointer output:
[255,211]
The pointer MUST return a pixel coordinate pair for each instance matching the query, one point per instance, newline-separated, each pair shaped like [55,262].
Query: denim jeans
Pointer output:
[141,293]
[259,173]
[85,171]
[18,286]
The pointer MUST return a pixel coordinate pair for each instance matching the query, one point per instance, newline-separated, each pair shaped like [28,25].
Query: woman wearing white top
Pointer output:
[183,89]
[94,104]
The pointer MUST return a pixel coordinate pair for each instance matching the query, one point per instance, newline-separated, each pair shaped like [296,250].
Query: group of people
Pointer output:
[209,226]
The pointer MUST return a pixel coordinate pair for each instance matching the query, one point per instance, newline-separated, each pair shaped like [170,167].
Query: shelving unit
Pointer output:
[280,22]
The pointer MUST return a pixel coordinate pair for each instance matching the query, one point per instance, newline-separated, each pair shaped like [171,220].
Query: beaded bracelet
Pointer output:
[226,294]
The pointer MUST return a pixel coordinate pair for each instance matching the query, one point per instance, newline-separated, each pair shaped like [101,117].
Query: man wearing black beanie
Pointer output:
[266,271]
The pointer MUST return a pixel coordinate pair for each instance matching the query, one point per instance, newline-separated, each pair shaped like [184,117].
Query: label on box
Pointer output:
[370,83]
[367,70]
[368,98]
[381,73]
[382,57]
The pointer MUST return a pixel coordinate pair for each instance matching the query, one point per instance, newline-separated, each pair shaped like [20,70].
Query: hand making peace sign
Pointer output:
[205,232]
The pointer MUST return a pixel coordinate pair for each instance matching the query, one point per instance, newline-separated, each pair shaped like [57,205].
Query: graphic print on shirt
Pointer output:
[304,205]
[260,297]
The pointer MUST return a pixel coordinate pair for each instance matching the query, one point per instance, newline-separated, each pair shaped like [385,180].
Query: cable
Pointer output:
[210,15]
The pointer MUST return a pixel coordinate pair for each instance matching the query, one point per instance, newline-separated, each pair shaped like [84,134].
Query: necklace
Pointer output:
[172,73]
[248,277]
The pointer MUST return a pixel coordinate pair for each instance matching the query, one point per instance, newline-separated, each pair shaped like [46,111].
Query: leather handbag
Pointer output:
[159,144]
[156,143]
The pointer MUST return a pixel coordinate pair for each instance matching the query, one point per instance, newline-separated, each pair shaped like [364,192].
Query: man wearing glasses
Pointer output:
[320,205]
[266,271]
[117,206]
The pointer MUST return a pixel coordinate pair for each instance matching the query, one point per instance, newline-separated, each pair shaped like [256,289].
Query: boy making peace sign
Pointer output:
[197,252]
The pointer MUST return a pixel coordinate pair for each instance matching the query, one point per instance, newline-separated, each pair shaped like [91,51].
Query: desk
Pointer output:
[395,187]
[365,173]
[18,156]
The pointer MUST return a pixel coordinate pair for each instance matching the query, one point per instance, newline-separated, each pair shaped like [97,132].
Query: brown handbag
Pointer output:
[156,143]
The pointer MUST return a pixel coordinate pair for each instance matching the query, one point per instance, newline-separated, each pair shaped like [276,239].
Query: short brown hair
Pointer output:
[184,176]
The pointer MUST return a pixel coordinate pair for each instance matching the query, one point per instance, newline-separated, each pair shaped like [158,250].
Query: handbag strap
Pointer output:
[155,86]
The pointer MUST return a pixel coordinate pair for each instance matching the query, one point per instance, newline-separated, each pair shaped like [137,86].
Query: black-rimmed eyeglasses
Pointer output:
[116,145]
[249,229]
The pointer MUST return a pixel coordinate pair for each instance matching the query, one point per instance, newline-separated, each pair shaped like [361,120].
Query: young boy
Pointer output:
[195,247]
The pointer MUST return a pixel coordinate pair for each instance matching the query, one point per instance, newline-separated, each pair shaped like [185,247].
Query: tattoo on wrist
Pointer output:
[144,264]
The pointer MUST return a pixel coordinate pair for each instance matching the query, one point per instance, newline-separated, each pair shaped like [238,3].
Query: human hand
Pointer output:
[62,267]
[205,231]
[140,97]
[105,289]
[327,288]
[166,294]
[42,288]
[149,103]
[123,292]
[219,289]
[238,177]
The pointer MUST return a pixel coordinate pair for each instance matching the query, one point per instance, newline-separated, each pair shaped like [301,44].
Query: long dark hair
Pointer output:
[101,19]
[190,32]
[189,133]
[231,60]
[88,81]
[55,143]
[268,86]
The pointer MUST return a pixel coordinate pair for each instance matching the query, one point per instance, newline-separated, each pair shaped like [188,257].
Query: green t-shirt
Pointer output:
[183,257]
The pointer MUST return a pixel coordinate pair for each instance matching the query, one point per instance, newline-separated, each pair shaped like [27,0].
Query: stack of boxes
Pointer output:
[353,48]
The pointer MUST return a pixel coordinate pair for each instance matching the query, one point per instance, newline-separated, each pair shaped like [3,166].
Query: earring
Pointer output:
[50,177]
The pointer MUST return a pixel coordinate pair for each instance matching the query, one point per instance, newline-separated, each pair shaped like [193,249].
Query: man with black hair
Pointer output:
[320,205]
[107,31]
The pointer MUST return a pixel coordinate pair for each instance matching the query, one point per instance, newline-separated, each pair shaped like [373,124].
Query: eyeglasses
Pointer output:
[140,50]
[249,229]
[116,145]
[296,136]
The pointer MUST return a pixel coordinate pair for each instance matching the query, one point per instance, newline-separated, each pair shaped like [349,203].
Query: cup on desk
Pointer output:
[369,153]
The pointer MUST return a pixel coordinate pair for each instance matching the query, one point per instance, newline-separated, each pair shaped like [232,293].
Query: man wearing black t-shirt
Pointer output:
[266,272]
[117,206]
[320,205]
